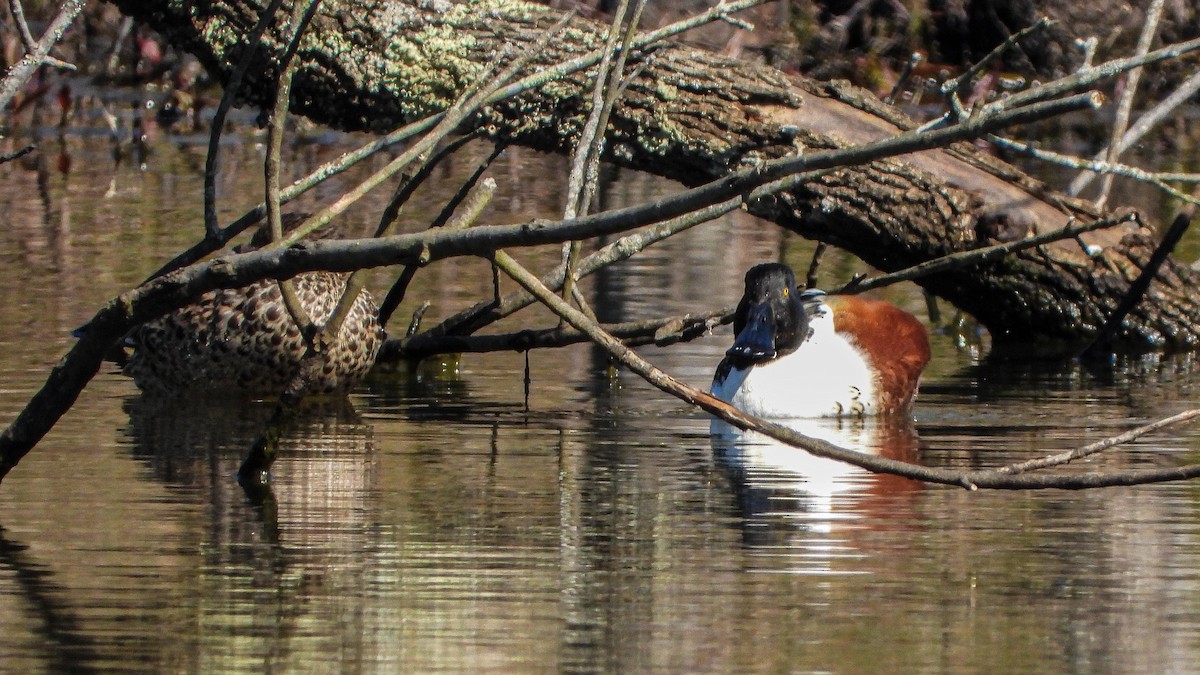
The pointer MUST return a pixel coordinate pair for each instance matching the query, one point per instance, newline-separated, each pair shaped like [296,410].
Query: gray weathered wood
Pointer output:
[695,116]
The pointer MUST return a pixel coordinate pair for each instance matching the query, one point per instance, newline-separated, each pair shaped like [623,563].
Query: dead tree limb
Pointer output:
[22,70]
[696,117]
[1012,477]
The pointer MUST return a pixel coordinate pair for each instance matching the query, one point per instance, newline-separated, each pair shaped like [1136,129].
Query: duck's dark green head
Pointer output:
[770,320]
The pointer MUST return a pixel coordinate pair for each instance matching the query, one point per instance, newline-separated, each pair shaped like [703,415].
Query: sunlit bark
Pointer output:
[694,116]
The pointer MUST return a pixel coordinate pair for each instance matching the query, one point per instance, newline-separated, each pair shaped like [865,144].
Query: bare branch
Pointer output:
[19,153]
[301,15]
[211,227]
[1125,103]
[1158,180]
[1087,77]
[967,479]
[591,139]
[471,101]
[981,255]
[952,88]
[1098,446]
[27,40]
[660,332]
[910,65]
[1183,93]
[19,74]
[1101,345]
[396,293]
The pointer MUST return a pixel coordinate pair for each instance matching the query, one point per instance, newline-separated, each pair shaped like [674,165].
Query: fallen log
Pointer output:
[694,116]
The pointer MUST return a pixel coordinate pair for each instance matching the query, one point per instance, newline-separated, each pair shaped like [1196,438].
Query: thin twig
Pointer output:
[399,288]
[470,102]
[660,332]
[1088,47]
[211,227]
[1098,446]
[1182,94]
[591,136]
[810,278]
[301,15]
[414,323]
[27,40]
[1077,81]
[970,480]
[1125,102]
[322,173]
[902,80]
[405,190]
[1158,180]
[584,172]
[475,201]
[481,314]
[19,153]
[452,206]
[19,73]
[952,88]
[981,255]
[18,13]
[593,57]
[1087,77]
[472,205]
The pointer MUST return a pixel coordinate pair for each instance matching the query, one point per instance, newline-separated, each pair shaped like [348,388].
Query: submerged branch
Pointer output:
[1102,344]
[1098,446]
[966,479]
[660,332]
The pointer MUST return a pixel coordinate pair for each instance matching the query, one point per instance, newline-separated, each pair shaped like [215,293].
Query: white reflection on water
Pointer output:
[801,507]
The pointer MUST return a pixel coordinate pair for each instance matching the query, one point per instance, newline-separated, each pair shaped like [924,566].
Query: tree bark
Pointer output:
[694,116]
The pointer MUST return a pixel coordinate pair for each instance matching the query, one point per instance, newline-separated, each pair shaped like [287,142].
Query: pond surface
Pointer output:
[442,522]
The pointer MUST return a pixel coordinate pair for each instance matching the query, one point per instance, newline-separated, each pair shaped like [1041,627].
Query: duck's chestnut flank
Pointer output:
[894,342]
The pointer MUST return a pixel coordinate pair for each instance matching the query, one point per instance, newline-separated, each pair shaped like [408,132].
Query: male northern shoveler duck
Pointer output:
[812,355]
[245,339]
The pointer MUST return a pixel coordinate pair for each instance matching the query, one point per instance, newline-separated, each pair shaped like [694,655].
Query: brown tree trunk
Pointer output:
[694,116]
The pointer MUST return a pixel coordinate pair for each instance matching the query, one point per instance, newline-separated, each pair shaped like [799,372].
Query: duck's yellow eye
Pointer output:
[786,292]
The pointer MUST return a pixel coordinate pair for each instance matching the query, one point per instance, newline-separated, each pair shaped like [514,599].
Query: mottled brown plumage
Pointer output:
[244,339]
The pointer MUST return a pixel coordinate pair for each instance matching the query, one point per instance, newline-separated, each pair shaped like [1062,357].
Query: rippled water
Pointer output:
[441,522]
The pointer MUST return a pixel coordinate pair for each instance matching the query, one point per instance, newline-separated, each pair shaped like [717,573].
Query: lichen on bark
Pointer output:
[695,117]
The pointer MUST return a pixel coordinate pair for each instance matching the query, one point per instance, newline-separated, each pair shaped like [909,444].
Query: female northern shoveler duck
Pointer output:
[811,355]
[245,339]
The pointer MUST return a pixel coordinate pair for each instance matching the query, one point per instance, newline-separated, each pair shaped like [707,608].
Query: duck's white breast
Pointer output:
[825,377]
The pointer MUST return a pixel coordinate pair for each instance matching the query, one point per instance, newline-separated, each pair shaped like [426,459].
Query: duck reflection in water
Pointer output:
[301,549]
[842,369]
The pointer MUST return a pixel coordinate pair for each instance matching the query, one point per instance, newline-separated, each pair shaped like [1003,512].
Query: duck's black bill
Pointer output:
[756,342]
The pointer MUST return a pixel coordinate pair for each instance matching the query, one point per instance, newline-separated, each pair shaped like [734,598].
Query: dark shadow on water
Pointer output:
[64,639]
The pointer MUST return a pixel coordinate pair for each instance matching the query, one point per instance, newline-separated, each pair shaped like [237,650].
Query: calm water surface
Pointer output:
[440,522]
